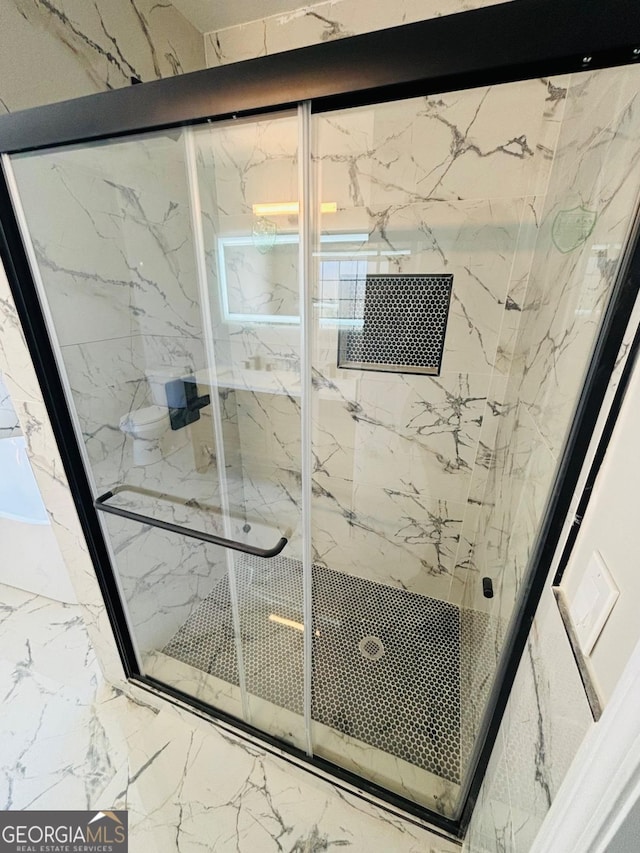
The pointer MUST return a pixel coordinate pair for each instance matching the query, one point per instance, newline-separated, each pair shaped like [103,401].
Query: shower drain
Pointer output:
[371,648]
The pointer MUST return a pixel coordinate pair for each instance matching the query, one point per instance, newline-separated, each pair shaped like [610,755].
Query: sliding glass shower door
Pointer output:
[322,370]
[173,298]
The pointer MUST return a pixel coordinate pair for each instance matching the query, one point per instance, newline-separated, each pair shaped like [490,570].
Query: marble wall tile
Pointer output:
[136,270]
[423,438]
[269,430]
[272,496]
[537,485]
[594,101]
[15,361]
[518,283]
[548,714]
[555,333]
[163,577]
[96,279]
[322,22]
[54,488]
[482,132]
[547,140]
[491,830]
[248,163]
[85,49]
[105,385]
[90,48]
[495,412]
[408,540]
[545,723]
[417,230]
[604,178]
[9,425]
[508,525]
[407,432]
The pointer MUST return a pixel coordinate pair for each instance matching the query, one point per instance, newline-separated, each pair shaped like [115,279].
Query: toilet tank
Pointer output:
[158,378]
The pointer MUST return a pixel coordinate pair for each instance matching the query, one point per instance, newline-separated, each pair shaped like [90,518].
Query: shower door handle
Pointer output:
[101,504]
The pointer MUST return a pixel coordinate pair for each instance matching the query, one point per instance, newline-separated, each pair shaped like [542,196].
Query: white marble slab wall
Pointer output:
[596,167]
[444,184]
[47,467]
[118,267]
[318,22]
[84,49]
[252,268]
[125,255]
[419,179]
[546,719]
[51,51]
[9,424]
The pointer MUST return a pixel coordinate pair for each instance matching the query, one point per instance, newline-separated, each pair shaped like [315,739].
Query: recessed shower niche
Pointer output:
[394,323]
[361,310]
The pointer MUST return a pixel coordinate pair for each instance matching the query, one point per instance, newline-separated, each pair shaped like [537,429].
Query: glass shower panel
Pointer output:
[453,327]
[173,301]
[247,184]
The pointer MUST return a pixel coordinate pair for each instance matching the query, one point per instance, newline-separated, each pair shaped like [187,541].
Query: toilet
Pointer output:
[148,425]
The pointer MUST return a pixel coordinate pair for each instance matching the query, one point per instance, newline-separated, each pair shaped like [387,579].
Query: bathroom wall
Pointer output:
[81,49]
[30,558]
[54,50]
[605,530]
[127,306]
[132,283]
[597,165]
[557,328]
[320,22]
[397,486]
[558,324]
[444,184]
[373,507]
[252,273]
[9,425]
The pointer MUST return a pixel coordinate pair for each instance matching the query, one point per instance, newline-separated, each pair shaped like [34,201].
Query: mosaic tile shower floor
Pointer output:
[386,662]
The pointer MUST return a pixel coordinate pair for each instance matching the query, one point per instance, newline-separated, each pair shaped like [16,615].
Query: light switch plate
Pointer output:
[592,602]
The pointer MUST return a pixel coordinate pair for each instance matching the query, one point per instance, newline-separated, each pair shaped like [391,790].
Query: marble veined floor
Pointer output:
[70,741]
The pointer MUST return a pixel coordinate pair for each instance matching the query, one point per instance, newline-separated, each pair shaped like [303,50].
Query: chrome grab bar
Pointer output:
[101,504]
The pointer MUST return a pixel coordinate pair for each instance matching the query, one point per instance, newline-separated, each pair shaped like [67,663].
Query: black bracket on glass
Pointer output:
[101,504]
[184,402]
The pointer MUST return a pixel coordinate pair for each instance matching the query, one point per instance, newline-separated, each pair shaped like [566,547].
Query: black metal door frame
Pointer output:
[516,40]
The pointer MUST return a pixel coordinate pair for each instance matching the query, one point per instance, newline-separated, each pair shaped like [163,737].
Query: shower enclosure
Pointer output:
[324,365]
